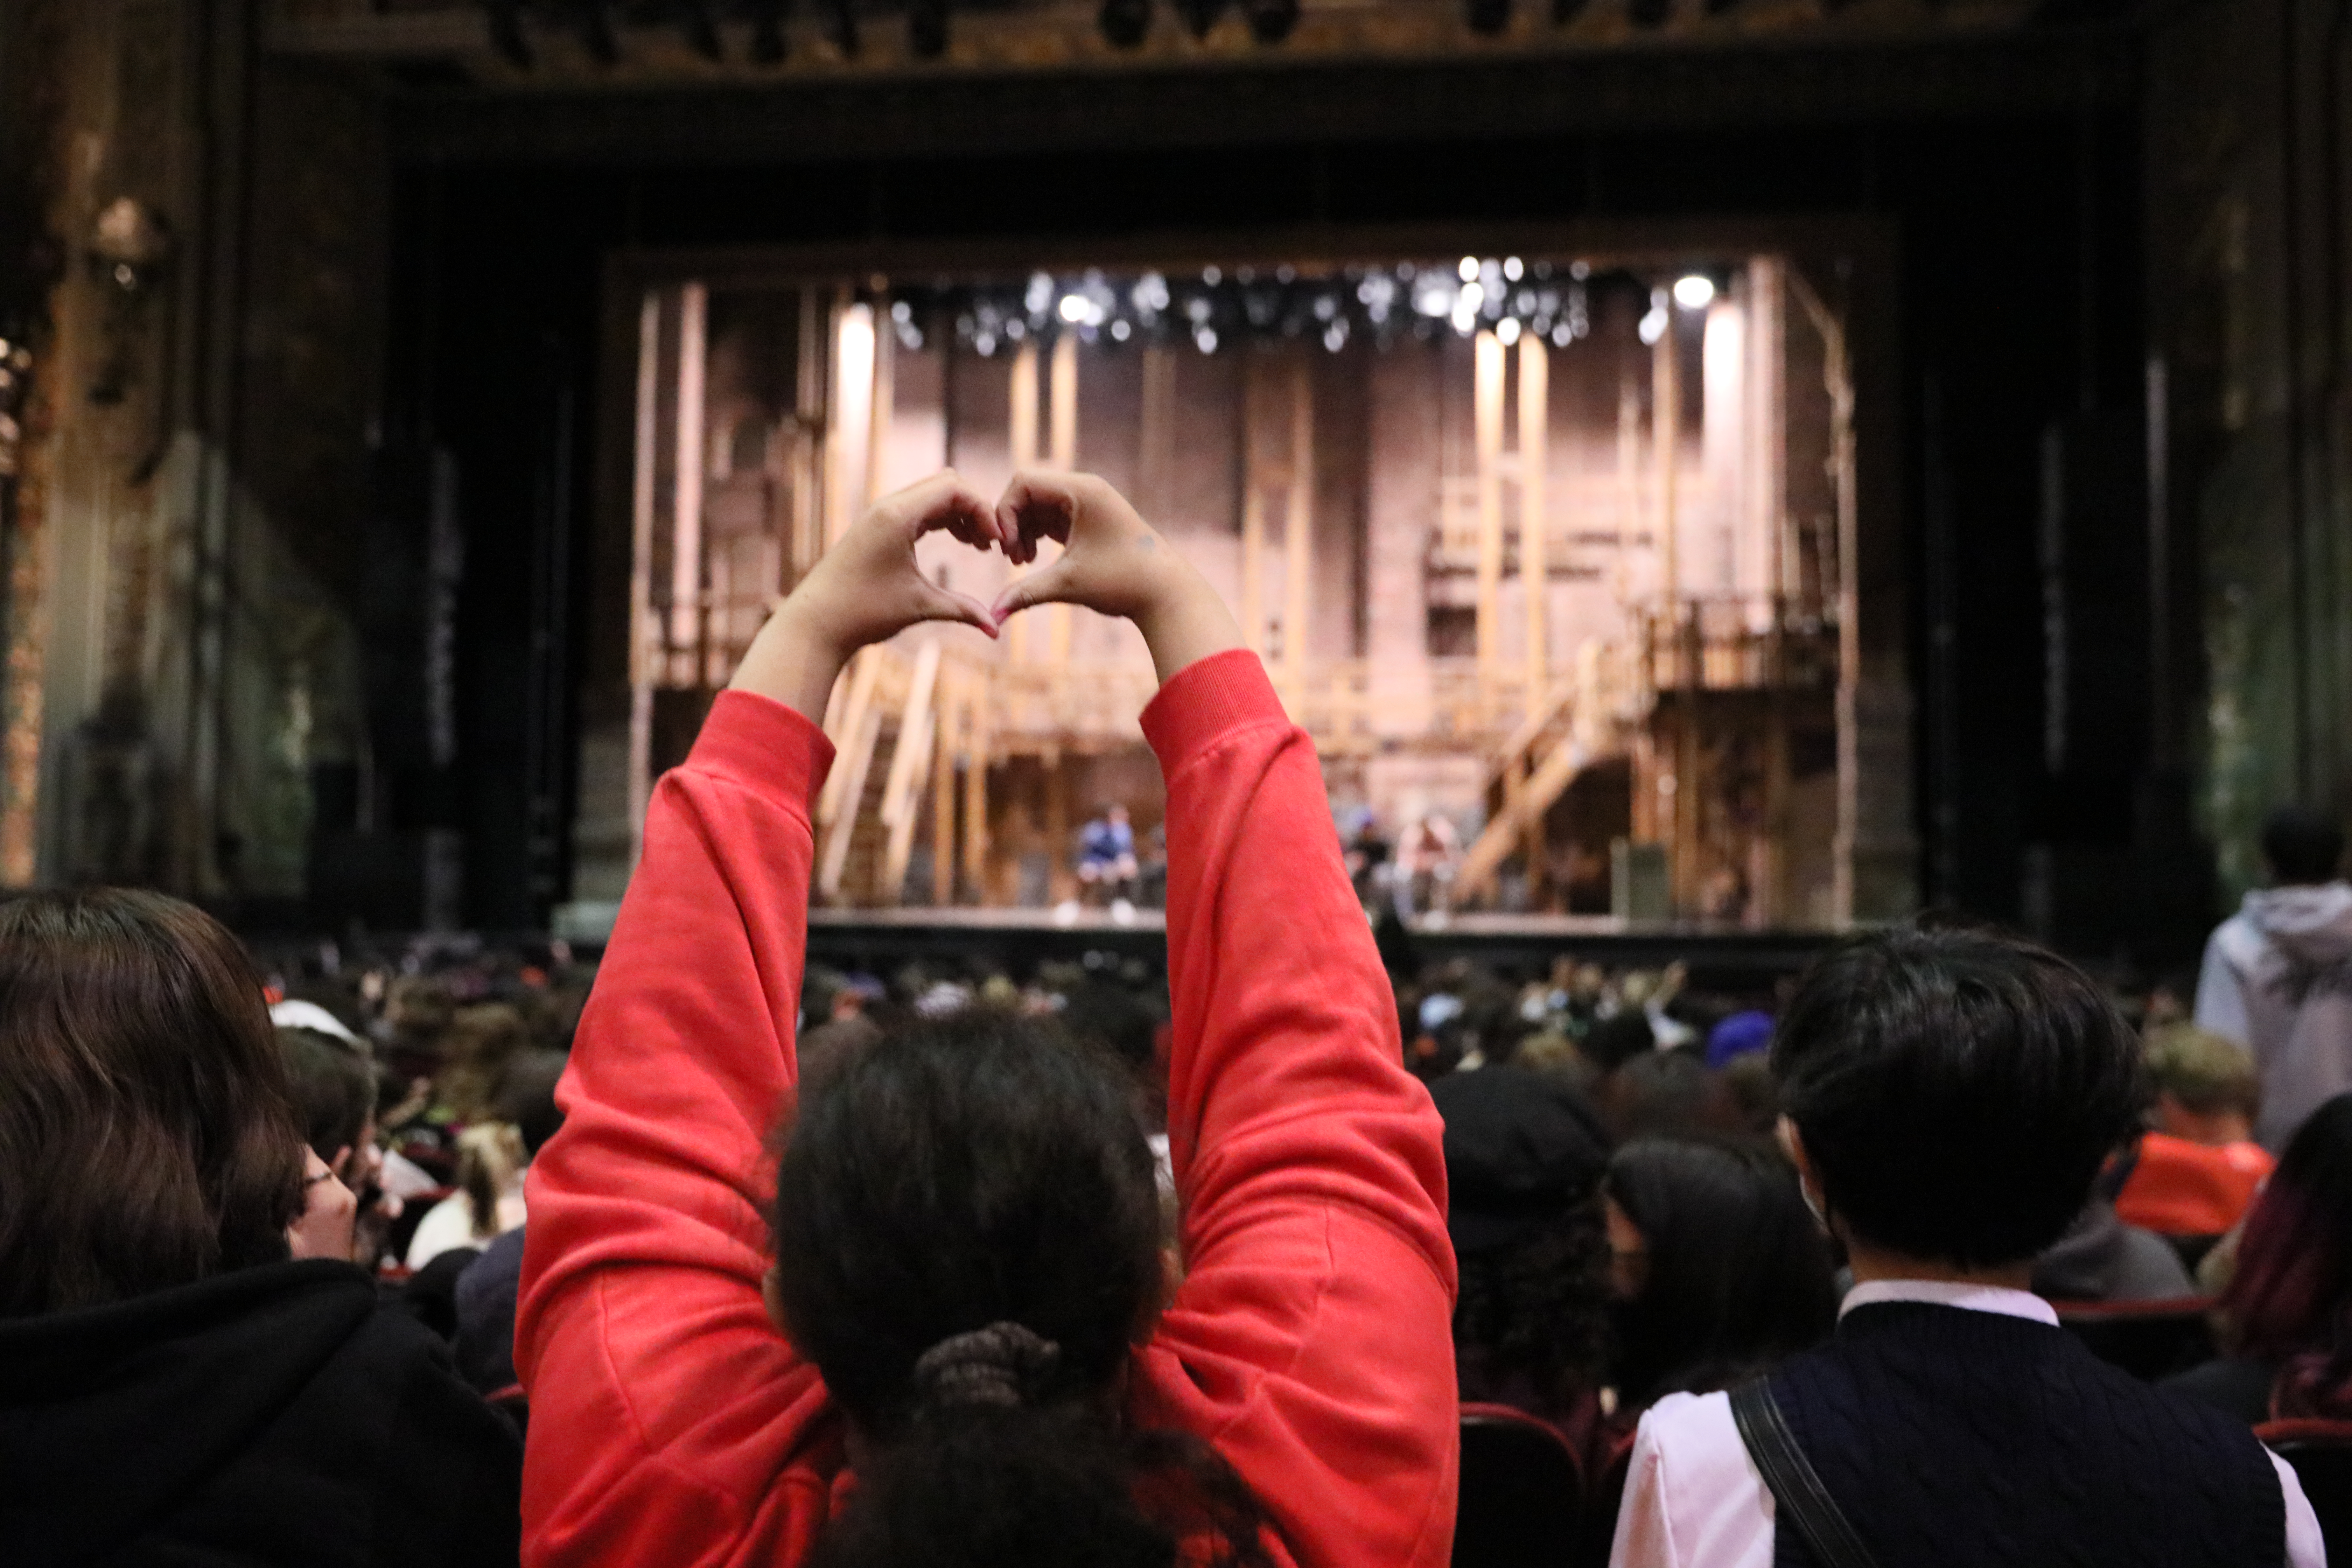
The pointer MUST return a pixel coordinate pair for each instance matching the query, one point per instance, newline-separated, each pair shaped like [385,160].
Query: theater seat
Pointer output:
[2321,1453]
[1522,1492]
[2148,1339]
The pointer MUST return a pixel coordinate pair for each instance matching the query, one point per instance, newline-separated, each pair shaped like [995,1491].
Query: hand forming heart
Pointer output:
[868,588]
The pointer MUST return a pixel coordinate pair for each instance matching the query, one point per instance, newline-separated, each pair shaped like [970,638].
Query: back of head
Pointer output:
[1737,1273]
[966,1229]
[1956,1091]
[2294,1272]
[2207,1073]
[1659,1094]
[333,1088]
[2302,847]
[146,1135]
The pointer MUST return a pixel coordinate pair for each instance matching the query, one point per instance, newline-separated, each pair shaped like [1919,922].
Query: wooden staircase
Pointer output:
[1575,727]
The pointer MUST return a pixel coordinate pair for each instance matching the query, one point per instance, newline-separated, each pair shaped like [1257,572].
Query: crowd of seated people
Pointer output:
[1102,1265]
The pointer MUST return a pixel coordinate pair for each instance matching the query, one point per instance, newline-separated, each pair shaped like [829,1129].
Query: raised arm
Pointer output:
[1311,1339]
[671,1421]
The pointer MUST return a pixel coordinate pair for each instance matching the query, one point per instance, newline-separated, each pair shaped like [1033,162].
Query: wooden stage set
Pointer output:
[1550,554]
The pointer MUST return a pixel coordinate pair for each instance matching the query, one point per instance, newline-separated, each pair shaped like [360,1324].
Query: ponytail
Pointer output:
[983,1170]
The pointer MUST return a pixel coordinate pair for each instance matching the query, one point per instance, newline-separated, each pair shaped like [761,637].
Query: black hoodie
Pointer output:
[272,1416]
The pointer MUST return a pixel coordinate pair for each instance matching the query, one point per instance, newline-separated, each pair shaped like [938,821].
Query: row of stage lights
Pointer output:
[1125,24]
[1509,296]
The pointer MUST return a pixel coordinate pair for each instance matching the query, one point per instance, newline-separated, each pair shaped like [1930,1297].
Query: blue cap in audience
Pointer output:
[1741,1034]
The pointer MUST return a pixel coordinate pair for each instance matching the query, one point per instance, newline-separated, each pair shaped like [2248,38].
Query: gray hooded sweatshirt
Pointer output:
[2278,979]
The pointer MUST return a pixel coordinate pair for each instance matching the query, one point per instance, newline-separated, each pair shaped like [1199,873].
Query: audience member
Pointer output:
[488,1201]
[967,1273]
[1951,1097]
[190,1368]
[2288,1304]
[2197,1169]
[1663,1094]
[1719,1271]
[2101,1258]
[1740,1034]
[1524,1156]
[2278,973]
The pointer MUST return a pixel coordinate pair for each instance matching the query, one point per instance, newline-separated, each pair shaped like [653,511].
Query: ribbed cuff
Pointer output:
[763,745]
[1208,700]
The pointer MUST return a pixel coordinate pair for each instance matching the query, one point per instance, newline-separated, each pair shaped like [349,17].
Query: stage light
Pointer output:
[1653,325]
[1150,294]
[1561,337]
[1513,268]
[1507,331]
[1205,340]
[1473,296]
[1695,292]
[1335,336]
[1073,308]
[1211,276]
[1580,270]
[1124,23]
[1119,330]
[1468,269]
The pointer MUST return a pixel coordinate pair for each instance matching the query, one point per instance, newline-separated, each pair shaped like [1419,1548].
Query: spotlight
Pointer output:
[1270,21]
[1073,308]
[1124,23]
[1507,331]
[1488,17]
[1695,292]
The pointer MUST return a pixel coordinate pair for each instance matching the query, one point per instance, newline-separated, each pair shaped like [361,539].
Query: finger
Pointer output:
[1051,586]
[1035,506]
[942,501]
[946,604]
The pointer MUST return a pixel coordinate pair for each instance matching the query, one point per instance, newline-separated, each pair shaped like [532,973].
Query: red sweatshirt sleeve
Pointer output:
[670,1424]
[1311,1341]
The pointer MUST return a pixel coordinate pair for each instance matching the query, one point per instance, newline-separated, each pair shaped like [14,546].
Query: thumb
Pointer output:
[945,604]
[1052,586]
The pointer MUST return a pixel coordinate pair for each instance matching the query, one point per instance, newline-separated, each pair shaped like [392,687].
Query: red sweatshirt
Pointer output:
[1311,1340]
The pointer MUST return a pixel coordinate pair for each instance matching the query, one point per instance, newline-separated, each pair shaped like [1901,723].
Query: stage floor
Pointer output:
[1019,939]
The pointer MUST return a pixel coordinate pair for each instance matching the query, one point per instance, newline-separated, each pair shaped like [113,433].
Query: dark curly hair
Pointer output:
[947,1177]
[1535,1310]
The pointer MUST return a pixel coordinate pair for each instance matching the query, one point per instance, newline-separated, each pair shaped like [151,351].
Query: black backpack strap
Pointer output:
[1796,1487]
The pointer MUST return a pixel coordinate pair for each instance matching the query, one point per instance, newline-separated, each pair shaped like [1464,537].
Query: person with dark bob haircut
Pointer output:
[1949,1097]
[932,1264]
[190,1370]
[1719,1272]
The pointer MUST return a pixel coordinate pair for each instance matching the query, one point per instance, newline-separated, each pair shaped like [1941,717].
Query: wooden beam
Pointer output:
[644,631]
[1253,507]
[952,717]
[1299,545]
[857,762]
[1487,414]
[686,469]
[1535,567]
[901,805]
[1535,517]
[975,786]
[807,437]
[882,405]
[841,498]
[1062,396]
[1021,439]
[845,717]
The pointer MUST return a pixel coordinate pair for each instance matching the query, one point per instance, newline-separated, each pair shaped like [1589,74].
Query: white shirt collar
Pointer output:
[1943,1293]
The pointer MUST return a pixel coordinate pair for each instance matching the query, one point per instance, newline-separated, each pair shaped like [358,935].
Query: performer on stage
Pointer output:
[1425,865]
[1107,854]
